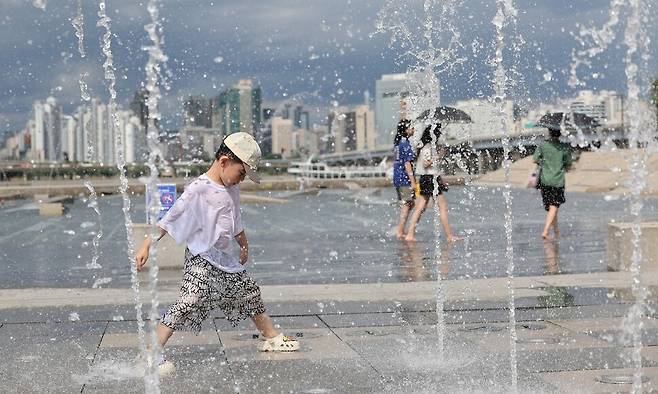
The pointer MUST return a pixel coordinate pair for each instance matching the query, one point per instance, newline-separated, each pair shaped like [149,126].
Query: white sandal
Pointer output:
[279,343]
[165,367]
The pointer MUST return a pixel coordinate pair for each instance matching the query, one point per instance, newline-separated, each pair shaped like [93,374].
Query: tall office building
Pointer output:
[282,130]
[604,106]
[337,130]
[139,107]
[197,112]
[238,108]
[392,92]
[365,128]
[301,118]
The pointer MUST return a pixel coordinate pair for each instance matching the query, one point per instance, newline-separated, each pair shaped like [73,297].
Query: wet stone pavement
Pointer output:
[382,338]
[393,350]
[338,236]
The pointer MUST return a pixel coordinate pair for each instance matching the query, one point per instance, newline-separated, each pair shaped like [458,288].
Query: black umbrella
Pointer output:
[444,114]
[554,120]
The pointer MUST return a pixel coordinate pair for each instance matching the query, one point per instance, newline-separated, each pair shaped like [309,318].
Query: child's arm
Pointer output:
[241,239]
[142,255]
[410,173]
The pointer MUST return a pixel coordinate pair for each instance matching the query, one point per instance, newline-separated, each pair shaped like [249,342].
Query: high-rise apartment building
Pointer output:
[91,134]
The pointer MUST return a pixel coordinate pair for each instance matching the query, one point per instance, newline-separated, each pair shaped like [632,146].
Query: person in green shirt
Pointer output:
[554,158]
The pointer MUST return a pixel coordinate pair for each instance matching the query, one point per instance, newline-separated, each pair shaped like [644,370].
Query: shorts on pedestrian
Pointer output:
[406,195]
[205,288]
[552,196]
[427,185]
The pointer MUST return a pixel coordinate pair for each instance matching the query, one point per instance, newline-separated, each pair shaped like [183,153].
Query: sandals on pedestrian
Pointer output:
[165,367]
[279,343]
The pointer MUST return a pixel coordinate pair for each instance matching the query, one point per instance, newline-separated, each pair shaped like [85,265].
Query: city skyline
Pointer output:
[318,53]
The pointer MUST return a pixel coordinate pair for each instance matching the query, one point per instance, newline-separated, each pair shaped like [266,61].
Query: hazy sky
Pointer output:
[316,51]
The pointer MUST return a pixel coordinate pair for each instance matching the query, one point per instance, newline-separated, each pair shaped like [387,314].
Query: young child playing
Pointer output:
[427,168]
[403,173]
[207,219]
[554,158]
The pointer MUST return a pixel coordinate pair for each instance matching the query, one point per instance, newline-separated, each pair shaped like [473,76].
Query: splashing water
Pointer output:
[434,44]
[40,4]
[505,15]
[84,91]
[78,24]
[156,57]
[639,134]
[595,42]
[100,282]
[105,22]
[93,204]
[641,138]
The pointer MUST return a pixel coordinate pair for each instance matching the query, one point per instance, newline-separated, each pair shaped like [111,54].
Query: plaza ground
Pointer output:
[363,304]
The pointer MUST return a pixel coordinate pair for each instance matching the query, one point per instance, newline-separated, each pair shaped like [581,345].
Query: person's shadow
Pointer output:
[552,257]
[414,268]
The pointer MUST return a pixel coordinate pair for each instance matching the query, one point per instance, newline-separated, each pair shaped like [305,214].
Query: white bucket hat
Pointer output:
[245,147]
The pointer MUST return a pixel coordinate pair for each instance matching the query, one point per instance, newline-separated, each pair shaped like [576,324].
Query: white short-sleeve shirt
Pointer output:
[207,218]
[426,153]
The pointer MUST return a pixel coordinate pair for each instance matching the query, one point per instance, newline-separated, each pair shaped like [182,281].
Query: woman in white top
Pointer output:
[427,168]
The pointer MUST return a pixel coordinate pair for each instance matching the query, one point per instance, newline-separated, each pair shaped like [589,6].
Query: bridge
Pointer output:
[484,153]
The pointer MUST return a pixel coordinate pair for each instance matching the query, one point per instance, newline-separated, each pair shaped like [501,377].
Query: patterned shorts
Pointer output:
[205,288]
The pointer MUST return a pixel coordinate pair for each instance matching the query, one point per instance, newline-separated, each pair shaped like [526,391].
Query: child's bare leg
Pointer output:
[443,216]
[404,213]
[264,325]
[556,229]
[415,218]
[550,216]
[163,334]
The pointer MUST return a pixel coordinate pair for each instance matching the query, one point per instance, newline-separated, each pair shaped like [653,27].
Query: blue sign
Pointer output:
[167,195]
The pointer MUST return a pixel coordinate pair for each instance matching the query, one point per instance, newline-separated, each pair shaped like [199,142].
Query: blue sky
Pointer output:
[315,50]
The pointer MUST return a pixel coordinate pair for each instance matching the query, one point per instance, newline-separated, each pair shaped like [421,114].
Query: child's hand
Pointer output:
[244,255]
[142,257]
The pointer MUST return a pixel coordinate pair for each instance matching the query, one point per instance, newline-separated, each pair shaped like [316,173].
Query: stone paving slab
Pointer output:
[481,290]
[378,319]
[550,337]
[284,323]
[199,368]
[575,359]
[585,381]
[43,357]
[410,360]
[307,376]
[318,344]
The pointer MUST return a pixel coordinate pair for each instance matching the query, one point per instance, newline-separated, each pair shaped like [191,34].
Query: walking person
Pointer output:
[427,168]
[207,219]
[554,159]
[403,173]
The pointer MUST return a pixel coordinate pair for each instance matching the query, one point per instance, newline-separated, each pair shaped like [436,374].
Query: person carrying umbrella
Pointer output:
[427,168]
[553,158]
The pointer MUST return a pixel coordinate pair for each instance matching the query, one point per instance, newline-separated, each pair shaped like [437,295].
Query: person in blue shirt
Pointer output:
[403,173]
